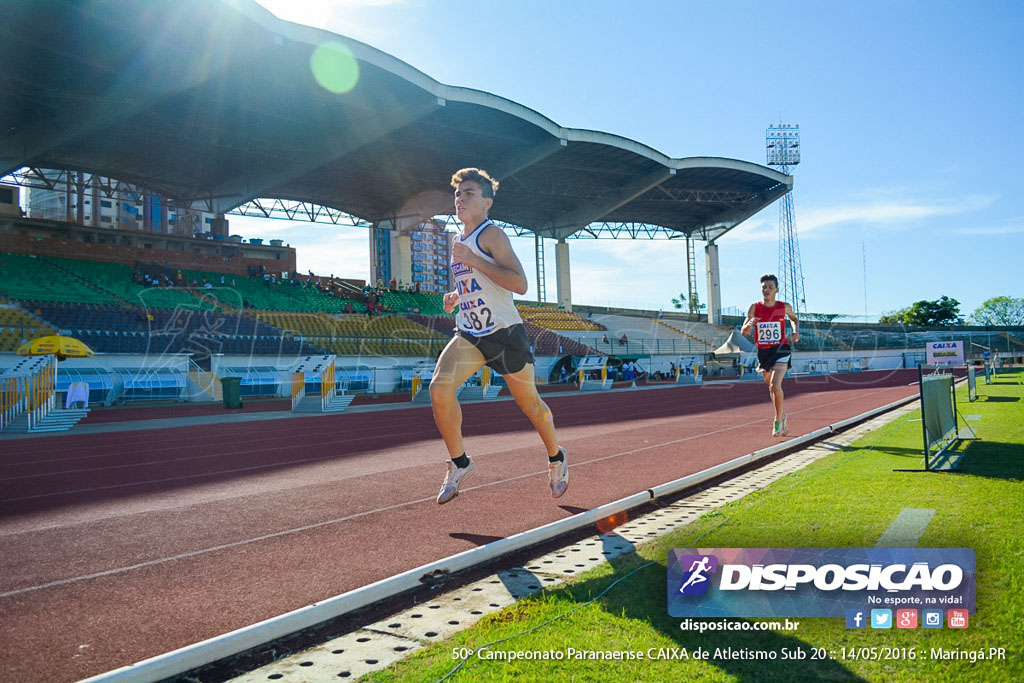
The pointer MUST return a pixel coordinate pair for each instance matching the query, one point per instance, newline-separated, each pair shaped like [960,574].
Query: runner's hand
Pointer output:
[451,301]
[462,254]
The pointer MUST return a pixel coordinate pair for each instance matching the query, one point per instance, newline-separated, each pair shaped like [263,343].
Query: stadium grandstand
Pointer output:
[206,312]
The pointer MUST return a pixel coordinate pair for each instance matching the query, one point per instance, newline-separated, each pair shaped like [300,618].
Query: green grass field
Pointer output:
[844,500]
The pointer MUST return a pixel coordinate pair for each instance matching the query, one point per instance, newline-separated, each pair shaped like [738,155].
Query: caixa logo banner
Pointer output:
[816,582]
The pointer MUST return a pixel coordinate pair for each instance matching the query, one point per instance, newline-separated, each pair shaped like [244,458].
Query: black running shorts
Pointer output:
[505,351]
[767,358]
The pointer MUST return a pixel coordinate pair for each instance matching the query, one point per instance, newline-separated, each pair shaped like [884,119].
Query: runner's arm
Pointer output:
[794,322]
[506,271]
[749,322]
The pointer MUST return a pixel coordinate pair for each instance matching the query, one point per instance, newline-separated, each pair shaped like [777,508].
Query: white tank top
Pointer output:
[484,307]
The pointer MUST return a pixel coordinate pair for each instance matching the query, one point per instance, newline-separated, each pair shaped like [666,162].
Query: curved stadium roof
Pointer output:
[214,100]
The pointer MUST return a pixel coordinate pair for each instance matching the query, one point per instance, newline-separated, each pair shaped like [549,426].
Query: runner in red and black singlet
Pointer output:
[767,319]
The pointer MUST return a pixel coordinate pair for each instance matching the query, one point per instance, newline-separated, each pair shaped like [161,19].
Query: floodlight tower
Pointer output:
[783,143]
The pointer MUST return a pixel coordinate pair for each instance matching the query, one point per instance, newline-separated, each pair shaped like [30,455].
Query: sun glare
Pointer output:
[334,67]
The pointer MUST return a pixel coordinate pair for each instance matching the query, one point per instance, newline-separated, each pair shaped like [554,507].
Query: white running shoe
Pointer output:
[558,475]
[783,427]
[775,428]
[456,475]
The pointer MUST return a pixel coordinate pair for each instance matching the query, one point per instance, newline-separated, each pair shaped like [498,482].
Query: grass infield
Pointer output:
[845,500]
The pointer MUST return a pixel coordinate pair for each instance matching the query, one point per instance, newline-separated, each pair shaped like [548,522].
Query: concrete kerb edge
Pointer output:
[211,650]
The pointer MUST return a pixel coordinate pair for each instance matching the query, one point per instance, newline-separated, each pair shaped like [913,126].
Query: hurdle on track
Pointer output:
[597,364]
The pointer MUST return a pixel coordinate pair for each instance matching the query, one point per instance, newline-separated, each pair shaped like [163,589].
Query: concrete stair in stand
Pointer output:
[57,420]
[314,404]
[477,393]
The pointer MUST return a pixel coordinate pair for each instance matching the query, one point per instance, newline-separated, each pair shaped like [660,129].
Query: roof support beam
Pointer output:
[370,129]
[526,158]
[730,219]
[575,220]
[123,100]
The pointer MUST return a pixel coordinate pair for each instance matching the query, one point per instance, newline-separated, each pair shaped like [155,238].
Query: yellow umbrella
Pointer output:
[59,345]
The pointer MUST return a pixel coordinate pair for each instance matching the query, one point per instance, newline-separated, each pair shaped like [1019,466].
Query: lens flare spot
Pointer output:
[334,67]
[608,523]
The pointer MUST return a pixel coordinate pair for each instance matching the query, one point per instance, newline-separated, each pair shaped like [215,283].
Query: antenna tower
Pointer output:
[783,145]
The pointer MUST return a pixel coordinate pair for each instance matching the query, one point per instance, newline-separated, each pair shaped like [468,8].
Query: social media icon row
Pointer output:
[905,618]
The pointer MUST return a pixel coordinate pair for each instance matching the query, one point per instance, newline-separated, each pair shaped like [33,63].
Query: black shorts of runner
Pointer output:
[767,358]
[505,351]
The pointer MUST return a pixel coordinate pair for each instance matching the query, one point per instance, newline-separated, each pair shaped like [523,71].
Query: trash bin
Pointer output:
[231,390]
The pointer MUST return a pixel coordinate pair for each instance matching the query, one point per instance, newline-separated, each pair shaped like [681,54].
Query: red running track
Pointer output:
[121,546]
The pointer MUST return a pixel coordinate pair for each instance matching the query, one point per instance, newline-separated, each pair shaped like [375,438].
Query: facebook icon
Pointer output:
[856,618]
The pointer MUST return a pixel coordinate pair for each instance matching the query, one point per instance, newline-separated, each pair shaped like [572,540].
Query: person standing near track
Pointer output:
[768,320]
[489,331]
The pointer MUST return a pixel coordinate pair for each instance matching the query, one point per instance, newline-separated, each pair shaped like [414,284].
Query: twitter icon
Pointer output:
[881,618]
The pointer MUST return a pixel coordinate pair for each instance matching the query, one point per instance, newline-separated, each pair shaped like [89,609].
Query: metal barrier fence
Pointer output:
[653,347]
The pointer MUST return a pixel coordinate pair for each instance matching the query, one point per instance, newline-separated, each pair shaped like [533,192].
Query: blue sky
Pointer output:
[910,116]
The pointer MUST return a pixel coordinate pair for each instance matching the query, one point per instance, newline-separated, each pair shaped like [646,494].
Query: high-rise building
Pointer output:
[419,255]
[102,203]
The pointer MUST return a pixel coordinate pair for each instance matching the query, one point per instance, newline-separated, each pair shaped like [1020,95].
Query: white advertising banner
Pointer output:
[945,353]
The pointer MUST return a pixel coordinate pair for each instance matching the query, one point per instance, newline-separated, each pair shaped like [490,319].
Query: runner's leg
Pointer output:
[777,373]
[524,390]
[457,363]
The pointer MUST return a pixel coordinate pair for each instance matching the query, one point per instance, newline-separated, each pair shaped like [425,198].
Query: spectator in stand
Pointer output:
[394,285]
[622,340]
[604,338]
[417,288]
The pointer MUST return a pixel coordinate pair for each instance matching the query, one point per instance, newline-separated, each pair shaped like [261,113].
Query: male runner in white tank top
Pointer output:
[488,332]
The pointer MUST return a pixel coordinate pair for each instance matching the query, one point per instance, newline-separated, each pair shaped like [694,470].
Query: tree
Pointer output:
[943,311]
[695,305]
[894,317]
[1000,310]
